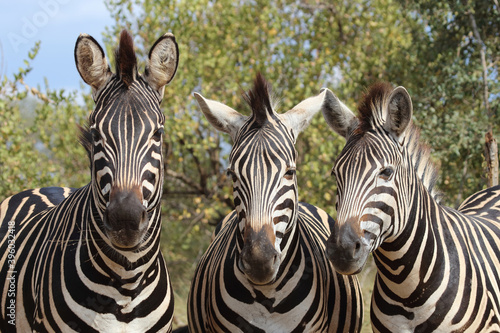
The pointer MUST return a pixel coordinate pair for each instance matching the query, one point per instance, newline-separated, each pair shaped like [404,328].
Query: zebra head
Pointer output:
[262,166]
[124,135]
[371,172]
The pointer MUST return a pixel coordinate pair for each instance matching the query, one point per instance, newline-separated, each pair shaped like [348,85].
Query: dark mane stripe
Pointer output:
[371,103]
[85,138]
[259,99]
[423,165]
[126,61]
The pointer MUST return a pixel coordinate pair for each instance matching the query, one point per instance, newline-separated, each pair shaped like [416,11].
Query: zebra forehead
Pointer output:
[272,143]
[136,102]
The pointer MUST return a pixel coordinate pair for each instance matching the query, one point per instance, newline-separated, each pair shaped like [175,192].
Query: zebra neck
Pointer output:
[418,244]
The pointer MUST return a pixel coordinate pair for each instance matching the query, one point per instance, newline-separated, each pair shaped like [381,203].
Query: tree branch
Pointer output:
[491,147]
[185,180]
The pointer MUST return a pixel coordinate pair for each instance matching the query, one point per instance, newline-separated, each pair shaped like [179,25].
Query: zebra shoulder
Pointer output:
[26,204]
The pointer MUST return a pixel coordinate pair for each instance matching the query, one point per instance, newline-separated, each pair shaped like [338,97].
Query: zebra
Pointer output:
[88,259]
[267,270]
[437,267]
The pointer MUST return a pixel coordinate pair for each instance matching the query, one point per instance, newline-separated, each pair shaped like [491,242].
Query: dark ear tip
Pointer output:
[85,36]
[167,35]
[402,95]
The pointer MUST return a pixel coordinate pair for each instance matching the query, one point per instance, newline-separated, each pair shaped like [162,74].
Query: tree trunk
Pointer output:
[491,147]
[491,154]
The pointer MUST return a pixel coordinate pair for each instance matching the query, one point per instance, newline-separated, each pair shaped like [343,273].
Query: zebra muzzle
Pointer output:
[259,260]
[347,249]
[125,219]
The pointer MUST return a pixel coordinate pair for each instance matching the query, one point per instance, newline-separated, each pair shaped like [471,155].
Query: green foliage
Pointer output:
[37,132]
[447,88]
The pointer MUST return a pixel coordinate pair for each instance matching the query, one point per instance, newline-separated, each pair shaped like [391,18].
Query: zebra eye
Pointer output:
[158,134]
[333,174]
[95,135]
[386,173]
[232,175]
[289,174]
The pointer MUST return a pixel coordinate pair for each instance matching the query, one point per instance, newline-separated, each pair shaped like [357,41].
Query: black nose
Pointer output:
[125,211]
[259,259]
[349,242]
[346,249]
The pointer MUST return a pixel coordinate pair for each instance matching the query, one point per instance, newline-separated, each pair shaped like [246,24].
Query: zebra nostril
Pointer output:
[357,247]
[275,259]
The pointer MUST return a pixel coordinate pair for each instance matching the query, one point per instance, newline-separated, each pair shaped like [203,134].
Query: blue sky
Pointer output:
[57,24]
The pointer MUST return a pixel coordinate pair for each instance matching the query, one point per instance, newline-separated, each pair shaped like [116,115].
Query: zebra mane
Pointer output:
[421,157]
[371,106]
[371,116]
[259,100]
[126,61]
[85,138]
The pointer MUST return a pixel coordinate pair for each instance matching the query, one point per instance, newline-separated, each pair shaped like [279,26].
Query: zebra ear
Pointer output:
[399,112]
[338,116]
[300,116]
[91,63]
[162,63]
[221,116]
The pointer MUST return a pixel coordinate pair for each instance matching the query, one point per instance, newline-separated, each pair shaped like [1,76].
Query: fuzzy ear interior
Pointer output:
[338,116]
[221,116]
[162,63]
[399,112]
[91,63]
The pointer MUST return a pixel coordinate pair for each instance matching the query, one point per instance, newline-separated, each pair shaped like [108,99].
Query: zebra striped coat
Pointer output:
[267,270]
[88,259]
[306,296]
[437,267]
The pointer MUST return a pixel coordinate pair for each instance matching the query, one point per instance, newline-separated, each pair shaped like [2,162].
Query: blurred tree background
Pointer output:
[445,53]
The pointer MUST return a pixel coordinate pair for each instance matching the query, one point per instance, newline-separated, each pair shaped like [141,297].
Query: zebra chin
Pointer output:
[344,265]
[260,272]
[126,240]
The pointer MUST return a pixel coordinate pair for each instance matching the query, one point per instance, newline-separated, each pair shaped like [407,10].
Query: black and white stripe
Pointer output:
[267,270]
[437,267]
[88,259]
